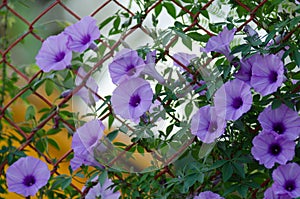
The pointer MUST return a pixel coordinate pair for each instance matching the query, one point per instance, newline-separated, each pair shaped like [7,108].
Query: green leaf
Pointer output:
[243,190]
[296,75]
[185,39]
[170,9]
[49,87]
[66,182]
[188,109]
[53,131]
[187,42]
[276,103]
[112,135]
[198,37]
[30,113]
[140,149]
[41,145]
[296,56]
[53,143]
[169,129]
[270,36]
[117,22]
[157,9]
[111,119]
[189,181]
[240,48]
[239,168]
[158,88]
[103,176]
[218,164]
[106,21]
[227,171]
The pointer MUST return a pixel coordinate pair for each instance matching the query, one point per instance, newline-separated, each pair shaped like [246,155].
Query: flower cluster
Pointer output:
[253,80]
[56,51]
[133,96]
[276,142]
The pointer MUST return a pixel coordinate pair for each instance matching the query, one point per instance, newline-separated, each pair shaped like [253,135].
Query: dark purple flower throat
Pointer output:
[275,149]
[135,100]
[279,127]
[60,56]
[213,126]
[86,39]
[289,185]
[273,77]
[237,102]
[29,180]
[130,70]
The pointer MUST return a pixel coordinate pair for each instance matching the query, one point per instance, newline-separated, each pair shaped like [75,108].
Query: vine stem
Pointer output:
[4,63]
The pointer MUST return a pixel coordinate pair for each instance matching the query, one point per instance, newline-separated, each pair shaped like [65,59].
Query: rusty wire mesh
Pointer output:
[6,62]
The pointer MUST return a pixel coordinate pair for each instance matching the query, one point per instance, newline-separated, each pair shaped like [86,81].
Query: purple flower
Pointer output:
[233,99]
[250,31]
[220,43]
[27,175]
[245,71]
[208,195]
[269,194]
[282,120]
[87,94]
[126,64]
[206,124]
[84,141]
[269,147]
[82,34]
[132,98]
[267,74]
[287,180]
[184,59]
[54,54]
[103,192]
[149,68]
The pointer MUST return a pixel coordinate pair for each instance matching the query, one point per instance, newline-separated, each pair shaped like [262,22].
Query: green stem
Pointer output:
[4,63]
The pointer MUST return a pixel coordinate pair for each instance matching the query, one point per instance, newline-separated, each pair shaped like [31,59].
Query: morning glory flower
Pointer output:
[126,64]
[245,71]
[250,31]
[86,94]
[281,120]
[267,74]
[54,53]
[208,195]
[206,124]
[269,147]
[233,99]
[82,34]
[27,175]
[149,68]
[269,194]
[184,59]
[84,141]
[287,180]
[132,98]
[220,43]
[103,192]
